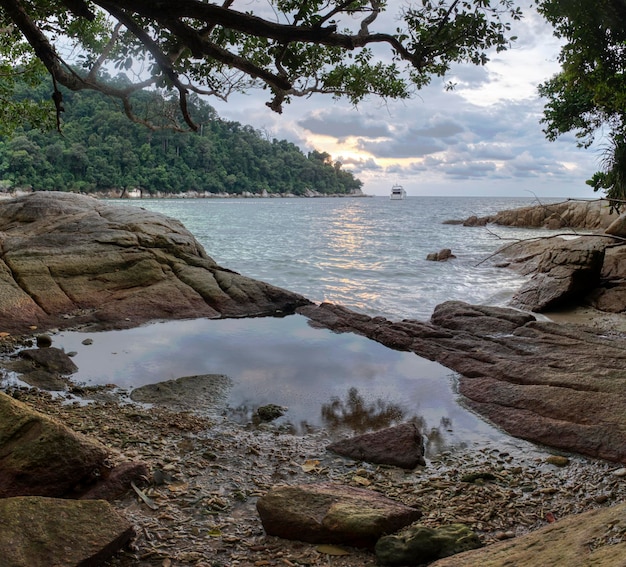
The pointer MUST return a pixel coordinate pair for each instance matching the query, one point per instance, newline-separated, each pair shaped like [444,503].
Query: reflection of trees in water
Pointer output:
[358,415]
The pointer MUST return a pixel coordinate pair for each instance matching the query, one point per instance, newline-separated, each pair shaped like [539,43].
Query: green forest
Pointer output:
[97,148]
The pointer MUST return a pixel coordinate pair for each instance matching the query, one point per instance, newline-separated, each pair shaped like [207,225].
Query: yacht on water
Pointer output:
[397,193]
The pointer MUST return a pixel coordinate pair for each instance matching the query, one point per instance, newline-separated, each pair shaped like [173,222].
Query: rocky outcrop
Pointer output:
[441,256]
[51,532]
[68,259]
[556,385]
[400,446]
[591,215]
[328,513]
[564,273]
[576,540]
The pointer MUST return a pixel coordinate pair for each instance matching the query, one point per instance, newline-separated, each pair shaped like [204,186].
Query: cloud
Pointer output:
[341,123]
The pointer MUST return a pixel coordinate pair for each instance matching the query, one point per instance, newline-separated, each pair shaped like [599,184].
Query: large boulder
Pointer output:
[51,532]
[565,272]
[70,259]
[39,456]
[557,385]
[576,540]
[401,446]
[329,513]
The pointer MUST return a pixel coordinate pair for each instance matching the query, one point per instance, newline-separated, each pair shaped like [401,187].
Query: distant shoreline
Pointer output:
[137,195]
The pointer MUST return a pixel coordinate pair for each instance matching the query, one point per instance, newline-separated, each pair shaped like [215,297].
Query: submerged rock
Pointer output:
[329,513]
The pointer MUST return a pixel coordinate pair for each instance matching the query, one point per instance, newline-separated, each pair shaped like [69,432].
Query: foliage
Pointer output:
[287,47]
[588,95]
[99,149]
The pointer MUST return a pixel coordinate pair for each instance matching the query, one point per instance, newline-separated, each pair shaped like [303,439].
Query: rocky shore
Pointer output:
[71,261]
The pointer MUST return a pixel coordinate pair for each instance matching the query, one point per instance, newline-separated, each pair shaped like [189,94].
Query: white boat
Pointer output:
[397,193]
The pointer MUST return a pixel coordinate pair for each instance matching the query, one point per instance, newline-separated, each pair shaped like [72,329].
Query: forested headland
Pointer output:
[98,150]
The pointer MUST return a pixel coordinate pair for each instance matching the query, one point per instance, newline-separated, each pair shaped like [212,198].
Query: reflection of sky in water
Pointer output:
[280,361]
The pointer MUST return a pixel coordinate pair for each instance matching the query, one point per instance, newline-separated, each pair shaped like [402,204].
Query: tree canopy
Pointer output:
[99,150]
[346,48]
[588,96]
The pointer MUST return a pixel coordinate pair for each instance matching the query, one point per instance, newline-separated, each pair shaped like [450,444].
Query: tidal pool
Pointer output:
[340,382]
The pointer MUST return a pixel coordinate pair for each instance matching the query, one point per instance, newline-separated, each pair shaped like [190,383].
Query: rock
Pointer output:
[557,460]
[617,227]
[418,545]
[116,482]
[205,391]
[51,532]
[41,457]
[50,359]
[328,513]
[72,260]
[556,385]
[593,215]
[269,412]
[574,540]
[400,446]
[565,274]
[441,256]
[43,341]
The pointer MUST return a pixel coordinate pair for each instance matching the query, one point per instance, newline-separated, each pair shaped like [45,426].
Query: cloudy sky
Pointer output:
[483,138]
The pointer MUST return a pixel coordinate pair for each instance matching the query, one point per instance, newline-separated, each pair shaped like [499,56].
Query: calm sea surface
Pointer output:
[367,254]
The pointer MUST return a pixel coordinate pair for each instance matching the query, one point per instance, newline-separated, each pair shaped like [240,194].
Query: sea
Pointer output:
[368,254]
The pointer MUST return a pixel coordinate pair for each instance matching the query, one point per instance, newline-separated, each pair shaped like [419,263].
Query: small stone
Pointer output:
[601,498]
[43,341]
[557,460]
[504,535]
[87,342]
[619,472]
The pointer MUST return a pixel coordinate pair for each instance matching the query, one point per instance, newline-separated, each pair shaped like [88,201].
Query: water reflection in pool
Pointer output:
[337,381]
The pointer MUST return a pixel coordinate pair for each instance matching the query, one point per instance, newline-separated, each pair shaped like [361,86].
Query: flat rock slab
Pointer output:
[50,532]
[202,392]
[562,386]
[575,540]
[39,456]
[400,446]
[69,260]
[328,513]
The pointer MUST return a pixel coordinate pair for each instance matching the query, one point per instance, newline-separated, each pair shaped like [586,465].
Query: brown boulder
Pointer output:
[400,446]
[40,456]
[328,513]
[50,532]
[70,259]
[565,273]
[575,540]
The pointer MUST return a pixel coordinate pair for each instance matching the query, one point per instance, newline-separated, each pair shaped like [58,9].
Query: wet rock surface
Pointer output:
[71,260]
[45,532]
[557,385]
[401,446]
[332,513]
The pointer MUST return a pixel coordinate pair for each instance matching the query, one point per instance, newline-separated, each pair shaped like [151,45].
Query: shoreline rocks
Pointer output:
[70,260]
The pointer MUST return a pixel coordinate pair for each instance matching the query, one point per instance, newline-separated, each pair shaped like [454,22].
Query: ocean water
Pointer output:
[368,254]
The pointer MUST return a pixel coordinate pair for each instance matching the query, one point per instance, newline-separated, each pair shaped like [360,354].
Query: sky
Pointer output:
[483,138]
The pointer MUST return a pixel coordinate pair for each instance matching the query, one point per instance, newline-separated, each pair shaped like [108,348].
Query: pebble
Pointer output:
[557,460]
[620,473]
[87,342]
